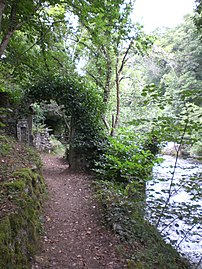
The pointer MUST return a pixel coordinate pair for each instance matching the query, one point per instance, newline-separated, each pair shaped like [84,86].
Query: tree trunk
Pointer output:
[119,70]
[108,76]
[76,157]
[5,41]
[2,7]
[13,25]
[115,122]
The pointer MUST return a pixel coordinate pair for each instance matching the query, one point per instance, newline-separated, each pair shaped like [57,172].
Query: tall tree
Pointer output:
[113,38]
[38,17]
[171,83]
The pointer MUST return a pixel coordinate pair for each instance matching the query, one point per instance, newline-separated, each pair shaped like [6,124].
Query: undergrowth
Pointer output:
[123,170]
[143,246]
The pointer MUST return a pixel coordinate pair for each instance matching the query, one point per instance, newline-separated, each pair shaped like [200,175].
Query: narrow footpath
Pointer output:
[74,234]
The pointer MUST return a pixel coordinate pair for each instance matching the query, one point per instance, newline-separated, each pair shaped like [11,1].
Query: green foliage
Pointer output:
[198,15]
[82,105]
[78,98]
[168,99]
[196,150]
[4,149]
[56,146]
[126,158]
[3,113]
[144,247]
[39,116]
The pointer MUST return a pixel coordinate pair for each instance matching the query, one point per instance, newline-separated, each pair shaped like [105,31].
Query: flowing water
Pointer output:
[180,189]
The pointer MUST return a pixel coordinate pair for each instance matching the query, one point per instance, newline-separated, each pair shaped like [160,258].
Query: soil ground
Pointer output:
[74,233]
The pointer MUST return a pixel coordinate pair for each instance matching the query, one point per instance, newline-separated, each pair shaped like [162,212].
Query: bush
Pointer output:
[125,160]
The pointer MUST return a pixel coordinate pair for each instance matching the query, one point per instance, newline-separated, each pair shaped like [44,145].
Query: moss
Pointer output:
[5,149]
[6,249]
[17,185]
[24,174]
[35,158]
[4,139]
[20,228]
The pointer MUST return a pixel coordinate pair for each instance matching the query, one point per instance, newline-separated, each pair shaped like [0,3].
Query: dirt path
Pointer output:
[74,234]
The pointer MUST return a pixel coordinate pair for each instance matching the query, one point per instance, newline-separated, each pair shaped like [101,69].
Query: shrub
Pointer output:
[125,159]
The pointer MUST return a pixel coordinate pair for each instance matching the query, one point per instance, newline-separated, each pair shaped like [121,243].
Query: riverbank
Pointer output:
[184,151]
[144,246]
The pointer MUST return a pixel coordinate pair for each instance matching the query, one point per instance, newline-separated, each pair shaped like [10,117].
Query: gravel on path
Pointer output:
[75,236]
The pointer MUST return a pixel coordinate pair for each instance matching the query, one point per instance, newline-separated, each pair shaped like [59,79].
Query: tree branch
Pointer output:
[58,61]
[96,80]
[106,123]
[173,175]
[14,25]
[6,39]
[124,60]
[41,37]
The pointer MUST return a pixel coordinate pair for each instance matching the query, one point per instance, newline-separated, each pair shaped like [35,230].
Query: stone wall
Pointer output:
[42,141]
[24,130]
[20,127]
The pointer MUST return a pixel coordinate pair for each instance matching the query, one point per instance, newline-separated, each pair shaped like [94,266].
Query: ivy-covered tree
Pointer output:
[82,106]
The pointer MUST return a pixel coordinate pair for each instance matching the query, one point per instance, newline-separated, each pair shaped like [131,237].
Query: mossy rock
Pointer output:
[19,229]
[6,250]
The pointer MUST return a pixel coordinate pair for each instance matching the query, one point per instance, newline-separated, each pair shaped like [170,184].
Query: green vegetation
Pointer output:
[89,73]
[123,170]
[126,159]
[144,247]
[82,107]
[21,196]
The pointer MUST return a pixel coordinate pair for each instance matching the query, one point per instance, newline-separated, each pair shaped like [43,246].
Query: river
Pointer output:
[180,189]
